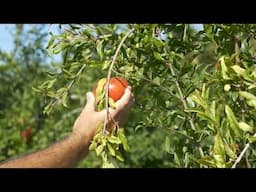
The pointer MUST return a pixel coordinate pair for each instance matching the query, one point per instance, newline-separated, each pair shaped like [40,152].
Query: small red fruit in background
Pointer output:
[26,134]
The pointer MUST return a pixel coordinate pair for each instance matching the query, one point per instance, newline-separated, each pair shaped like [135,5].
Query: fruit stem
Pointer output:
[109,76]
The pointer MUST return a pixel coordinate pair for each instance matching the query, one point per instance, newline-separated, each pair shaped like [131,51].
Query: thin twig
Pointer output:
[248,165]
[54,102]
[242,153]
[109,76]
[162,88]
[182,98]
[185,32]
[237,49]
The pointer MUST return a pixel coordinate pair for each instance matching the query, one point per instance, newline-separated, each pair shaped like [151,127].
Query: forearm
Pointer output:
[65,153]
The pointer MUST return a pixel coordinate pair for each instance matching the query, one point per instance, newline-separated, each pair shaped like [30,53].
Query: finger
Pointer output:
[112,113]
[125,99]
[124,103]
[90,101]
[115,112]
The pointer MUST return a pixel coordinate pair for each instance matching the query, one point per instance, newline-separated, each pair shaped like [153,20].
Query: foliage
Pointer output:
[195,91]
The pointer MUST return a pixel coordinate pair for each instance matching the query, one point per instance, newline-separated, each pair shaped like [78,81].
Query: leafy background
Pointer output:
[194,90]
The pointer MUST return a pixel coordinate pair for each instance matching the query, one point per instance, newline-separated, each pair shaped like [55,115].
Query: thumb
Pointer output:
[90,101]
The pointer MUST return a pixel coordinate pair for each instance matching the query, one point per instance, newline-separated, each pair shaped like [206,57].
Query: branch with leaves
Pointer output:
[105,144]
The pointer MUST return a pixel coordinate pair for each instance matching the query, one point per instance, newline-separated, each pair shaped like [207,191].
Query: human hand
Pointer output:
[89,119]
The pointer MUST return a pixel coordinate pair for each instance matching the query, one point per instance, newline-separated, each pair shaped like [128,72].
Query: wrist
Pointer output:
[81,138]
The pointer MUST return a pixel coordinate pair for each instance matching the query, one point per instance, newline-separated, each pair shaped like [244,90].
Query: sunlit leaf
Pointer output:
[245,127]
[111,150]
[158,56]
[64,99]
[232,120]
[195,96]
[114,139]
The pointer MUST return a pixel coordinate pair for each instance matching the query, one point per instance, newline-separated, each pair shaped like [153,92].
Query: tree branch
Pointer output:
[242,153]
[109,76]
[162,88]
[182,98]
[55,100]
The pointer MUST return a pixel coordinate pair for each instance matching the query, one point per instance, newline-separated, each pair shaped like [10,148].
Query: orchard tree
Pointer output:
[194,90]
[197,87]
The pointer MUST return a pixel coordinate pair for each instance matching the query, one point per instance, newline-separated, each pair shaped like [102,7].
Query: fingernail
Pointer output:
[89,95]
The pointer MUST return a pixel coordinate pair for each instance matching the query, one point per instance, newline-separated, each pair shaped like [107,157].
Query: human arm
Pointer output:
[69,151]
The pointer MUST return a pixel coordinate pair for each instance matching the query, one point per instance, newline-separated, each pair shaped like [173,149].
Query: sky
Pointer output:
[5,37]
[6,40]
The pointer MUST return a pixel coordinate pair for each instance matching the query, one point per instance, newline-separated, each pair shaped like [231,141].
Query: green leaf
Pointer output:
[124,53]
[250,98]
[158,42]
[111,150]
[99,49]
[252,86]
[61,91]
[224,68]
[230,152]
[208,161]
[203,115]
[119,156]
[252,103]
[50,43]
[74,66]
[106,64]
[48,109]
[67,72]
[245,127]
[167,144]
[123,140]
[252,139]
[59,47]
[241,72]
[247,95]
[140,73]
[112,103]
[36,89]
[64,99]
[232,120]
[51,94]
[107,165]
[158,56]
[205,92]
[100,87]
[195,96]
[219,151]
[99,149]
[213,108]
[93,146]
[156,81]
[114,139]
[51,83]
[234,96]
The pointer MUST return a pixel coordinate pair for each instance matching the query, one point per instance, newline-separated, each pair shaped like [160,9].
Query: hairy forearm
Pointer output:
[65,153]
